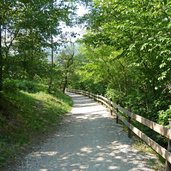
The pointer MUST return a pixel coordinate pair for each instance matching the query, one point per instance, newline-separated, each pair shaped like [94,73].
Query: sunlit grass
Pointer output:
[24,115]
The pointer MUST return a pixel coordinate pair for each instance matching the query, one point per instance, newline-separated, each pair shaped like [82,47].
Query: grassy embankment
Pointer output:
[24,115]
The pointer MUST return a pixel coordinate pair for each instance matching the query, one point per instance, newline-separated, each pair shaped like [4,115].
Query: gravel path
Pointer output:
[87,139]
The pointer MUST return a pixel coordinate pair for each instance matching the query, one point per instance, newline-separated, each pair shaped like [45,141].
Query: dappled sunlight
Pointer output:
[86,150]
[101,157]
[86,108]
[113,168]
[47,153]
[85,105]
[104,152]
[87,139]
[91,116]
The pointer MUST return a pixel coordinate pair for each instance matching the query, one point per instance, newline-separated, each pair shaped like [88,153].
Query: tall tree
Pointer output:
[140,31]
[65,61]
[1,57]
[28,28]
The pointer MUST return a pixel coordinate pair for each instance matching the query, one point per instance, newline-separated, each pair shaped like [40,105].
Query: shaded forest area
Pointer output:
[124,53]
[32,78]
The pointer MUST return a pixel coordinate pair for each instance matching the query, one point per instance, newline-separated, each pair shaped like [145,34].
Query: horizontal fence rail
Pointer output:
[120,112]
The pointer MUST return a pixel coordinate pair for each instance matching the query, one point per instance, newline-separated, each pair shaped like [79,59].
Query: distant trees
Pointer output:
[27,30]
[64,62]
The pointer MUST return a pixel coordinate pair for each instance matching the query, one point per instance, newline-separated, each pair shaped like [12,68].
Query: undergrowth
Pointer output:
[24,114]
[157,163]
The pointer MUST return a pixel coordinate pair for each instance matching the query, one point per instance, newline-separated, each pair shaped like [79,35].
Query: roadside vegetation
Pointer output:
[34,69]
[157,163]
[26,114]
[124,55]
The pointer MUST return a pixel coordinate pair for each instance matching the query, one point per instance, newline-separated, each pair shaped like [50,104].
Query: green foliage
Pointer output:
[165,116]
[26,108]
[27,32]
[25,115]
[127,48]
[9,85]
[64,63]
[30,86]
[115,95]
[25,85]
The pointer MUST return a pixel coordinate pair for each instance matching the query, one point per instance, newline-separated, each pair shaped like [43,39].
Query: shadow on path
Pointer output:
[87,139]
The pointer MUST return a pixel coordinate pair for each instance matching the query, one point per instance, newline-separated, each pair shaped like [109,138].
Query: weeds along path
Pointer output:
[87,139]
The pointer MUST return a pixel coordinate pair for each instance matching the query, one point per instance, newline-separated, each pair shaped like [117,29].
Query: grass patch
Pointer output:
[156,164]
[23,114]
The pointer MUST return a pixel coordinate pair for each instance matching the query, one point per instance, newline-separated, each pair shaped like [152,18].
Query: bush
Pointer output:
[25,85]
[9,85]
[164,116]
[115,95]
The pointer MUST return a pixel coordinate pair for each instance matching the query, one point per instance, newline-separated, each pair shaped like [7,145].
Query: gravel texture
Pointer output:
[88,139]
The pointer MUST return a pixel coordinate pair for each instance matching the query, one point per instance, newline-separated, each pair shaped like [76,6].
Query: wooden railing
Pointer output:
[122,113]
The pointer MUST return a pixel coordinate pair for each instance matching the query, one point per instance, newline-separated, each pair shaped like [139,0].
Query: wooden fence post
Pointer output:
[168,165]
[117,111]
[96,97]
[111,106]
[129,130]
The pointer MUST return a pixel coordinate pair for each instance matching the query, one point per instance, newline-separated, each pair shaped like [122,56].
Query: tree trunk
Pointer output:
[1,56]
[52,64]
[65,83]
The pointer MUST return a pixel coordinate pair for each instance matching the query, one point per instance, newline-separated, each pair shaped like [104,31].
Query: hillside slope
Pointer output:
[24,115]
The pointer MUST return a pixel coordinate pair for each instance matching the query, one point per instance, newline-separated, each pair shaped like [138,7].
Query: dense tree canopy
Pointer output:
[28,30]
[126,53]
[123,53]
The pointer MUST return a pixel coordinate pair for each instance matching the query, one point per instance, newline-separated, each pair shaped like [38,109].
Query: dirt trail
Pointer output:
[88,139]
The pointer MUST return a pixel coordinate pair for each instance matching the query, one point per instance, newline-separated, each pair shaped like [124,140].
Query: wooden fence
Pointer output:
[126,117]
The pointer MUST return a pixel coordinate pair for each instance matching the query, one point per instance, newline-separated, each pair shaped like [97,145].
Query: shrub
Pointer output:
[164,116]
[115,95]
[9,85]
[25,85]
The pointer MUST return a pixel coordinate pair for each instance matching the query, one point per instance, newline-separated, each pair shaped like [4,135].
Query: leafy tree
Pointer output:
[65,61]
[28,29]
[140,72]
[1,57]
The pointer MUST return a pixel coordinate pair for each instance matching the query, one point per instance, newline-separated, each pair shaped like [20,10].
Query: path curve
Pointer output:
[88,139]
